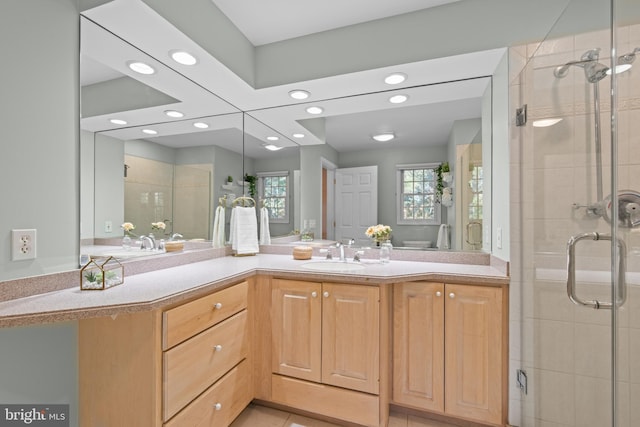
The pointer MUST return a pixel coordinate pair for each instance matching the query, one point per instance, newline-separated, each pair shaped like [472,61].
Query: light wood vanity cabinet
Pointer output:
[326,348]
[450,350]
[187,365]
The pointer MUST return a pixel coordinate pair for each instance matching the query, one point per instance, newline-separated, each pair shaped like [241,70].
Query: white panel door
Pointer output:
[356,202]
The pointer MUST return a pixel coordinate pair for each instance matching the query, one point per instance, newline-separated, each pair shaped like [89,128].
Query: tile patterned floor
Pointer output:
[260,416]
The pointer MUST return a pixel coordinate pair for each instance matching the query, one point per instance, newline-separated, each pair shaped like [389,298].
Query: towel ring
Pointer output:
[222,201]
[244,200]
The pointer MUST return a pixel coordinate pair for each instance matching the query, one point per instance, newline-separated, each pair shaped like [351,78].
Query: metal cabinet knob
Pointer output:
[326,294]
[314,294]
[452,295]
[438,294]
[217,306]
[217,347]
[218,406]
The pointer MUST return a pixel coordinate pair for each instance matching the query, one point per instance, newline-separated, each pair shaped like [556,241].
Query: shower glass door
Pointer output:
[577,173]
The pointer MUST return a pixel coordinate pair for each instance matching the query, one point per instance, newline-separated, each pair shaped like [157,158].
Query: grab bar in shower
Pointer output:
[571,271]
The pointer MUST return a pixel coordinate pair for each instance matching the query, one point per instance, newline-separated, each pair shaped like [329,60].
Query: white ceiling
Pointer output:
[271,21]
[152,35]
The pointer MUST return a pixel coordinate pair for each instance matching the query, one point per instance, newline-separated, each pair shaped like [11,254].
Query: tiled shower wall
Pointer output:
[180,195]
[565,349]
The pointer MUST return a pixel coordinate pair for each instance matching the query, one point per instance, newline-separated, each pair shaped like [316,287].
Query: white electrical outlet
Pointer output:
[23,244]
[108,227]
[499,238]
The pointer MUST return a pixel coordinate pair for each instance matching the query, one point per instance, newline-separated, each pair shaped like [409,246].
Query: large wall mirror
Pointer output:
[163,147]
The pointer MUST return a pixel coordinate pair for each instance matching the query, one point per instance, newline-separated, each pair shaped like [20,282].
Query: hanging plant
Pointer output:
[251,179]
[442,168]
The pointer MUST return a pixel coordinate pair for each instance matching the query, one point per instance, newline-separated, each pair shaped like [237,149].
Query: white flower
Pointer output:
[158,225]
[379,231]
[127,226]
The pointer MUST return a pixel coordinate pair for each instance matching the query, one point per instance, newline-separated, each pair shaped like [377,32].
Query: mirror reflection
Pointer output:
[350,181]
[170,153]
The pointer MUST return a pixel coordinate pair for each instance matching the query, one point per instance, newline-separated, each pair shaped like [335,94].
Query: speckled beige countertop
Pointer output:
[163,287]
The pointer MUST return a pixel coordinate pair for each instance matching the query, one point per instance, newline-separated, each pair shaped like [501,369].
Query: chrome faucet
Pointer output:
[175,236]
[341,247]
[151,243]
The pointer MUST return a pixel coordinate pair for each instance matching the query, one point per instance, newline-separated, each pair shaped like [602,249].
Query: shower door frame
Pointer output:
[527,415]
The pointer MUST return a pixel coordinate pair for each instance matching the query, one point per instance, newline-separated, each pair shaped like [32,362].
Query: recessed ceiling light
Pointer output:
[299,94]
[546,122]
[273,138]
[298,135]
[398,99]
[141,67]
[272,147]
[182,57]
[315,110]
[150,131]
[200,125]
[395,78]
[174,113]
[384,137]
[118,121]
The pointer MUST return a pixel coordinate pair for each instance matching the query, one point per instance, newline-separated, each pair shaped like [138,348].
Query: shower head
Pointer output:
[593,70]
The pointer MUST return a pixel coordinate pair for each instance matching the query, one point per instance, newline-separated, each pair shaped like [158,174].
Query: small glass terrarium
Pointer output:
[101,273]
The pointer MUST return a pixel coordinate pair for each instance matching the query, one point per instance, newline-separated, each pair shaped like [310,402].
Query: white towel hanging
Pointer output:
[244,234]
[443,237]
[218,228]
[265,234]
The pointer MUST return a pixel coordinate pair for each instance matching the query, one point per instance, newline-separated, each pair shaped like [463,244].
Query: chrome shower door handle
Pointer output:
[571,271]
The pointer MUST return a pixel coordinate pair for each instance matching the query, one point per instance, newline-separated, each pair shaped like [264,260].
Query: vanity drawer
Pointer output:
[181,323]
[349,405]
[194,365]
[221,403]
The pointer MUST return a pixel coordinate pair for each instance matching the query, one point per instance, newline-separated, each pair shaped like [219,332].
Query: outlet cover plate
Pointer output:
[23,244]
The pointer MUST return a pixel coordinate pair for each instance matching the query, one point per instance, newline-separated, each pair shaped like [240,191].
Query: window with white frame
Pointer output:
[416,194]
[274,192]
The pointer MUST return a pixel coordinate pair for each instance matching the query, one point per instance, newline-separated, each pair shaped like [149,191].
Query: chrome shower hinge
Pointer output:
[521,115]
[521,379]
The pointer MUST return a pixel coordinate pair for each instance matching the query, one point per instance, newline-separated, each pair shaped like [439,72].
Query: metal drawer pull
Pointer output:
[217,306]
[571,270]
[314,294]
[452,295]
[438,294]
[326,294]
[218,406]
[217,347]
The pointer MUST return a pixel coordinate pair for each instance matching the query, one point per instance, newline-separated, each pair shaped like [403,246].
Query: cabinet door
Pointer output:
[296,328]
[418,345]
[351,336]
[474,352]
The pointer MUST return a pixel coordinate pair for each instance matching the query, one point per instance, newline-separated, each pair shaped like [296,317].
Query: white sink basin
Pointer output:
[333,266]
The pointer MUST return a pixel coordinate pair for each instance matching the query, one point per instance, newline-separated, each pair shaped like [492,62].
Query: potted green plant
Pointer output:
[251,180]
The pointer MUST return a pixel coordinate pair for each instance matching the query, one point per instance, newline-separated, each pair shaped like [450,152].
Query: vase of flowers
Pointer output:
[379,233]
[128,232]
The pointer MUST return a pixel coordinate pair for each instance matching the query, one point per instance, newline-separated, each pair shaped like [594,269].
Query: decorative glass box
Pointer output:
[101,274]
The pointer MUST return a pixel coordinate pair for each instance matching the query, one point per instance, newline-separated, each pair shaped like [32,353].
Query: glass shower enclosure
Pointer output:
[575,347]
